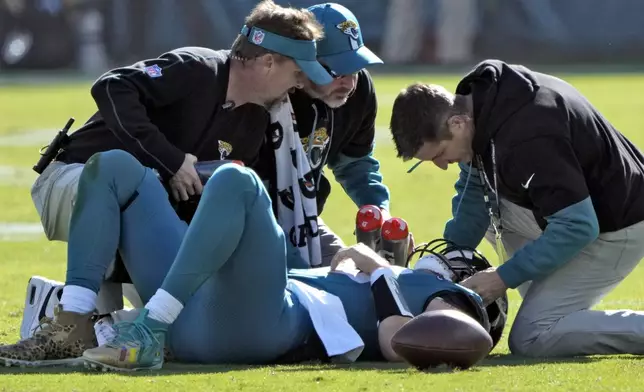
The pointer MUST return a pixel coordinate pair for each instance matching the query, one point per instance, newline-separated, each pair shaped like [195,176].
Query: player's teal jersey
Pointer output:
[355,294]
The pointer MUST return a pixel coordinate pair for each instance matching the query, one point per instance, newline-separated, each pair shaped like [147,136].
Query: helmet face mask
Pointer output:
[464,262]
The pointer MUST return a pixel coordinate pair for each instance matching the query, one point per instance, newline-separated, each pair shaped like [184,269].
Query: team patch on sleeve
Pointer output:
[153,71]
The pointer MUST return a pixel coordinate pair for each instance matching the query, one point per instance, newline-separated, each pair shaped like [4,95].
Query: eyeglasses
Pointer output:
[330,71]
[334,74]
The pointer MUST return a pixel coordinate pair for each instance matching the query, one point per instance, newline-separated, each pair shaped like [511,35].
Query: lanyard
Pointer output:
[495,218]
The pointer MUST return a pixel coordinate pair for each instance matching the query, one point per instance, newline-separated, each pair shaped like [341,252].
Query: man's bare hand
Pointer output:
[186,182]
[487,283]
[365,259]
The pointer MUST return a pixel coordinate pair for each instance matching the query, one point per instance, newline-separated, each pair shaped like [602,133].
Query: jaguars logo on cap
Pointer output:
[349,28]
[224,149]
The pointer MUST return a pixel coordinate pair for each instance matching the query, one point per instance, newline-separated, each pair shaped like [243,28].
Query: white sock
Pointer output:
[164,307]
[78,299]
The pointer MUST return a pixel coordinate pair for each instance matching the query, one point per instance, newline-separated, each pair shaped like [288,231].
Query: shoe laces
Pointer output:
[46,326]
[132,331]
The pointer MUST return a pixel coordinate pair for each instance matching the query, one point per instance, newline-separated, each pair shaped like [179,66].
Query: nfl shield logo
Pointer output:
[153,71]
[258,37]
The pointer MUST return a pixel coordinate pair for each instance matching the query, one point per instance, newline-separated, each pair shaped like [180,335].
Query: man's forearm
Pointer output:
[470,219]
[361,180]
[126,117]
[567,233]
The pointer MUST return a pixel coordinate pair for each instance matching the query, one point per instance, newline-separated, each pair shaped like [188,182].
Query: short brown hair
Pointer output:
[419,115]
[288,22]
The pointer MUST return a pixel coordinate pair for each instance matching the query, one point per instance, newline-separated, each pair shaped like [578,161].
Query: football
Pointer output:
[442,337]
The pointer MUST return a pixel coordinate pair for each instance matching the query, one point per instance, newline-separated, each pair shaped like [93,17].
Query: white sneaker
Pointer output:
[43,295]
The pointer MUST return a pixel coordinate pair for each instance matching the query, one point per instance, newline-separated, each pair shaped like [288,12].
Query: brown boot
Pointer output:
[60,341]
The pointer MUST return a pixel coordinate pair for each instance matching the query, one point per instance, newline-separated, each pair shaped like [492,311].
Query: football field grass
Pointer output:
[422,198]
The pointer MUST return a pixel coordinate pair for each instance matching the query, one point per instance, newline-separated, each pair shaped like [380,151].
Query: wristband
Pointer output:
[387,296]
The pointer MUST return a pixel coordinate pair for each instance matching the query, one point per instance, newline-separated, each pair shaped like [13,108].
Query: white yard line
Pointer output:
[17,231]
[17,176]
[28,138]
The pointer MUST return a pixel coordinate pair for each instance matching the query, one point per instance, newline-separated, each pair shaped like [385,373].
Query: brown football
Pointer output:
[442,337]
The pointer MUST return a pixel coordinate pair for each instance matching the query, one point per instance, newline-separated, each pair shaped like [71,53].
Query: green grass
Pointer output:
[422,198]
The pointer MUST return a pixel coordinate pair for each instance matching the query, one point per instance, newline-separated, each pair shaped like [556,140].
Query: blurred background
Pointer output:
[90,36]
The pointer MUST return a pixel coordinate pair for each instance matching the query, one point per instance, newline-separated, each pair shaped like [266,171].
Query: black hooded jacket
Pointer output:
[552,147]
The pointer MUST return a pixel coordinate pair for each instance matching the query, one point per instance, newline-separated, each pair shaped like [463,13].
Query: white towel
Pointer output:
[297,211]
[341,342]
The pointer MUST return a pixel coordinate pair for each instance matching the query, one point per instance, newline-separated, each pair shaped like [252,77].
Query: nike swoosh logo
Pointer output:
[527,183]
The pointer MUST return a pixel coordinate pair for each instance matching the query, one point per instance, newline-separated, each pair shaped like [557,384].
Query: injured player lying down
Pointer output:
[219,290]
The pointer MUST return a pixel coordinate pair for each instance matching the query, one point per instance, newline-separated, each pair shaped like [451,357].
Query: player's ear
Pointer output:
[456,121]
[267,61]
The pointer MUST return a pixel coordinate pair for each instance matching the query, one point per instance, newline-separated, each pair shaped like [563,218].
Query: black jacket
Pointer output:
[553,148]
[159,114]
[160,109]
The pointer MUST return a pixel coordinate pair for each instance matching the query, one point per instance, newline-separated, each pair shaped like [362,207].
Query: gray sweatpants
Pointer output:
[555,317]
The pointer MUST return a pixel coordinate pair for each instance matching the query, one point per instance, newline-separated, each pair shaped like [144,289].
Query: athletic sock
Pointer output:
[163,307]
[78,299]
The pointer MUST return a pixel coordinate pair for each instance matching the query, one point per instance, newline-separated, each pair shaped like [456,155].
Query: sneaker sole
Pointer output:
[94,365]
[70,362]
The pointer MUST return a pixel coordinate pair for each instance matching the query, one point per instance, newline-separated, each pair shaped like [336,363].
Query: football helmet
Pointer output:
[463,262]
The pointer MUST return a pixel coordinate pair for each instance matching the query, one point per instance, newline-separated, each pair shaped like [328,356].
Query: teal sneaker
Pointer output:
[138,345]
